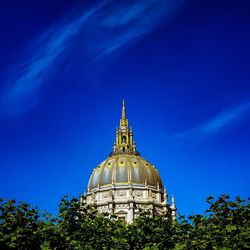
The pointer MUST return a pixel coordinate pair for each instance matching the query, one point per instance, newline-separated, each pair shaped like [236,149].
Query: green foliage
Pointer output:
[225,225]
[18,225]
[83,227]
[151,232]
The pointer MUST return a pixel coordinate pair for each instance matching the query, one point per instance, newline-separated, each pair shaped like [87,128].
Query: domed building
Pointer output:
[126,183]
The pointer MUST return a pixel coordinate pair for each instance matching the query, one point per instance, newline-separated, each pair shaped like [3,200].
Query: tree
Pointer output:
[18,225]
[83,227]
[225,225]
[151,231]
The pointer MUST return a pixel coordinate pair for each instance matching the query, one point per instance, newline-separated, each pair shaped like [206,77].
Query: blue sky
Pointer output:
[181,66]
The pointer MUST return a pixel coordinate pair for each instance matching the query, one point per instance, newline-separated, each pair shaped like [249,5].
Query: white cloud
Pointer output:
[104,29]
[222,120]
[226,118]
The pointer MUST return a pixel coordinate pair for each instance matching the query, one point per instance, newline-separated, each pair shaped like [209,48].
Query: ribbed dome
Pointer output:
[125,169]
[125,183]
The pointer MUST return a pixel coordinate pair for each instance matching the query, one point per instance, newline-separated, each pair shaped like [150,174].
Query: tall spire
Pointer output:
[124,143]
[123,120]
[123,110]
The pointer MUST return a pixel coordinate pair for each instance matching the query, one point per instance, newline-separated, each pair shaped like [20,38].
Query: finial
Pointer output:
[134,146]
[123,110]
[173,203]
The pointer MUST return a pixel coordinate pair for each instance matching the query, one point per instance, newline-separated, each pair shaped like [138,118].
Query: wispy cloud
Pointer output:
[222,120]
[103,29]
[25,78]
[226,118]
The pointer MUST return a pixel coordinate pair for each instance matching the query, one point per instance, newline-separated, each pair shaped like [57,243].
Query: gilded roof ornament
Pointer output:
[124,143]
[123,110]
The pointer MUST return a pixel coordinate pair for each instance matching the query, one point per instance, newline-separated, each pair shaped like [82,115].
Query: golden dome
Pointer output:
[125,169]
[124,165]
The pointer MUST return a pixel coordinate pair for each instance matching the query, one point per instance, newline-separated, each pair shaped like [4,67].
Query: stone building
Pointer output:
[125,183]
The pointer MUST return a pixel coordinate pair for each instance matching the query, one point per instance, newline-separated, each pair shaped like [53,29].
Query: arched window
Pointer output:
[121,215]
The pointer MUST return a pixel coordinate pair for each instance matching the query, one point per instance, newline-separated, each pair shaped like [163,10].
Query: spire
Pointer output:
[124,143]
[123,120]
[123,110]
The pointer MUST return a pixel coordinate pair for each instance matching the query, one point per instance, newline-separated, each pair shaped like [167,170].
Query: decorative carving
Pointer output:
[121,193]
[138,193]
[105,195]
[153,195]
[121,205]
